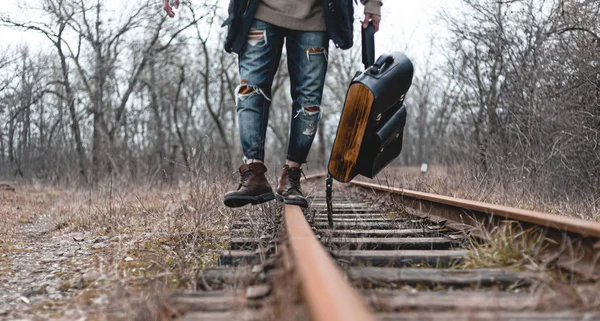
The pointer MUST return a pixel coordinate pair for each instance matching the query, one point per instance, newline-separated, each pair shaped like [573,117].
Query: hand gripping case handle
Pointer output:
[368,45]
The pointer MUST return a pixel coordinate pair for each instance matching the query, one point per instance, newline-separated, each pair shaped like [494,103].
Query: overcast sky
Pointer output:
[411,25]
[406,25]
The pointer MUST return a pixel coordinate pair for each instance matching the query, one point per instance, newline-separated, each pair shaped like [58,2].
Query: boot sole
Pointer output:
[303,204]
[239,201]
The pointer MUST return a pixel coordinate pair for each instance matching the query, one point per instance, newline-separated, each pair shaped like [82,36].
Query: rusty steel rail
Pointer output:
[327,295]
[563,223]
[425,201]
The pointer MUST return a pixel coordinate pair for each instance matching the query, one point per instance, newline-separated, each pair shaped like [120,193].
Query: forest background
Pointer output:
[505,92]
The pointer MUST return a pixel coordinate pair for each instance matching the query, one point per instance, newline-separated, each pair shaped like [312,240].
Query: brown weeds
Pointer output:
[141,240]
[460,182]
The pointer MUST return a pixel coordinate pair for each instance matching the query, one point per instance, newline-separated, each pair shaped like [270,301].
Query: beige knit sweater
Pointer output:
[305,15]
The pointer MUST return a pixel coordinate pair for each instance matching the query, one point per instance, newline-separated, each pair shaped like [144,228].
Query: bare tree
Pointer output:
[524,74]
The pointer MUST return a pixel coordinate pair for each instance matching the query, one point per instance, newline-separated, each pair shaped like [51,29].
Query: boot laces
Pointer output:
[244,177]
[295,178]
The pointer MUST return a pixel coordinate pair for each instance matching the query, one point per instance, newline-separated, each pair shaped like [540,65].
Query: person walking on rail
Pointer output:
[257,30]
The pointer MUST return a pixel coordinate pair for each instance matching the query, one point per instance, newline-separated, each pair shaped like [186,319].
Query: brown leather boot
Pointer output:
[288,190]
[254,187]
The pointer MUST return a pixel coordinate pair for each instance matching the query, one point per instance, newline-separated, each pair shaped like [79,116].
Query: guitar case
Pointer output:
[370,131]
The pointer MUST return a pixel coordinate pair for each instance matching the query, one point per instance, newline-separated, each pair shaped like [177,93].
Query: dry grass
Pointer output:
[142,240]
[463,183]
[507,245]
[174,230]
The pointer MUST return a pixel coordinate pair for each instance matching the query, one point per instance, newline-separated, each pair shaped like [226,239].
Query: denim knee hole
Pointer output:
[244,91]
[311,124]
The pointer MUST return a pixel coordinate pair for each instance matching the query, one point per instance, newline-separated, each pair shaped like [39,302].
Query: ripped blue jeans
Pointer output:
[258,63]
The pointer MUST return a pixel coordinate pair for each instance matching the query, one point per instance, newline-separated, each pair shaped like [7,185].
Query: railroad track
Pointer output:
[399,255]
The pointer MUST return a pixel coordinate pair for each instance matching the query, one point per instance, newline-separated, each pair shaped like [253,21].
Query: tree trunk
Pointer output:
[2,151]
[158,122]
[11,142]
[72,109]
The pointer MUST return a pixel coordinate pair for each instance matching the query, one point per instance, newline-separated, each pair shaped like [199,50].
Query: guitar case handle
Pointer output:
[368,45]
[381,63]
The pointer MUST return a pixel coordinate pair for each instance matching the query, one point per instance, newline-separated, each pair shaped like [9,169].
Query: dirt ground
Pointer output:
[95,254]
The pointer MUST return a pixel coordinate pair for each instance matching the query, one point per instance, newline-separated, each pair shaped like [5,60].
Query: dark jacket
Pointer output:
[339,16]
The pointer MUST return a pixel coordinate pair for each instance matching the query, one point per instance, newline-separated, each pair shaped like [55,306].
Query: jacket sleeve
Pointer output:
[372,6]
